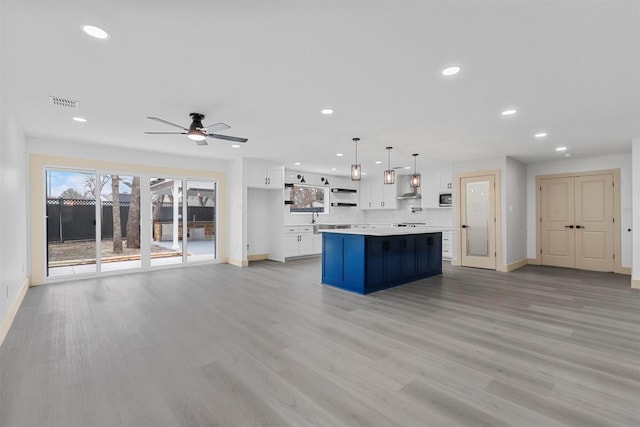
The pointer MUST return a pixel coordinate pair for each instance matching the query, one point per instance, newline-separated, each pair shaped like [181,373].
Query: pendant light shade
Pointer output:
[414,182]
[356,168]
[389,174]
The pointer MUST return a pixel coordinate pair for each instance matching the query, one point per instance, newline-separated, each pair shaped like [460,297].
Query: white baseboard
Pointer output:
[505,268]
[13,310]
[624,270]
[533,261]
[238,262]
[257,257]
[635,284]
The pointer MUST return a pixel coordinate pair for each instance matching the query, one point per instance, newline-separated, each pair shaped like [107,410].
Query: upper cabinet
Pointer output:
[261,174]
[446,182]
[433,183]
[375,194]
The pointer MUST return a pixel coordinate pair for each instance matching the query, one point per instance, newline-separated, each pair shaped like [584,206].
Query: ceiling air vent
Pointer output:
[62,102]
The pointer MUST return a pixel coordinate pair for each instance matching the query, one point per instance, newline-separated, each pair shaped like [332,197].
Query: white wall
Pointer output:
[258,221]
[515,210]
[635,274]
[14,213]
[616,161]
[236,200]
[112,154]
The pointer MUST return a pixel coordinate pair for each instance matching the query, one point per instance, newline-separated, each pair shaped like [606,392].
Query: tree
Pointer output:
[71,193]
[92,188]
[133,221]
[117,227]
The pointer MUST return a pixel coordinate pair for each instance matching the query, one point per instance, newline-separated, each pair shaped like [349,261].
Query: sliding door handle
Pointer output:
[569,226]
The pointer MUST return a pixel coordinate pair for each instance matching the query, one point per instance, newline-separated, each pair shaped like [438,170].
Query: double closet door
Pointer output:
[577,220]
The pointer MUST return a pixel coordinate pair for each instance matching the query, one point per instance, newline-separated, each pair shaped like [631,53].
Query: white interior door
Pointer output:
[594,222]
[557,222]
[478,221]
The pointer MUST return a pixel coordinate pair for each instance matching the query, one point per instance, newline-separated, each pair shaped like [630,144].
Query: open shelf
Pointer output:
[343,190]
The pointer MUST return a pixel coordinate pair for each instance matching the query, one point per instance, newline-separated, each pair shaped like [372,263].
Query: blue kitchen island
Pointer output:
[369,260]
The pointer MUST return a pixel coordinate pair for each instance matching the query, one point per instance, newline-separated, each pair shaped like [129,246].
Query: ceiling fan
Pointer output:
[197,132]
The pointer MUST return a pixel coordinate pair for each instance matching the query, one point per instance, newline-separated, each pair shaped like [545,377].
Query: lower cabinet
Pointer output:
[365,264]
[298,241]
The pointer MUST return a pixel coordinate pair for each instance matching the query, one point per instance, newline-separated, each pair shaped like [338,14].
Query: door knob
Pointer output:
[569,226]
[464,226]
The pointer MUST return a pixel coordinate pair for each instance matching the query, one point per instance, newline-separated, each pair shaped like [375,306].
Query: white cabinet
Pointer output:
[434,183]
[375,194]
[447,245]
[263,175]
[298,240]
[446,182]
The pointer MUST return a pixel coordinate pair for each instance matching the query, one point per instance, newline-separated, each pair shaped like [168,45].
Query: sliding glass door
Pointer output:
[103,222]
[201,220]
[71,223]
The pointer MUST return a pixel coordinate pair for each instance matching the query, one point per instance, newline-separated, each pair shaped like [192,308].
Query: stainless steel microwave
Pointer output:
[445,200]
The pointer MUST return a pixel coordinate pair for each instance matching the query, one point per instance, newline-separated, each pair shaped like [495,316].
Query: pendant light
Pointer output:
[389,174]
[415,178]
[356,168]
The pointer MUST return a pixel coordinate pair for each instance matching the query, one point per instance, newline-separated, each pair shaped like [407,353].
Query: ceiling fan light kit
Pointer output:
[389,174]
[197,131]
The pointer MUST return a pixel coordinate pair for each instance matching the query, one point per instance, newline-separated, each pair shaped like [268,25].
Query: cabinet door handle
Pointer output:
[464,226]
[580,226]
[569,226]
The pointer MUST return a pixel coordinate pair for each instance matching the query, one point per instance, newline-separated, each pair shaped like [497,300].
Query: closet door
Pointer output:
[557,222]
[594,222]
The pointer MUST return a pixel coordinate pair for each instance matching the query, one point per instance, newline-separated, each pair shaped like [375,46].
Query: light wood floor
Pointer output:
[268,345]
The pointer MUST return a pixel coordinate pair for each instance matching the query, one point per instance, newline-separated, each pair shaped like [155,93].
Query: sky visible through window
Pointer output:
[60,181]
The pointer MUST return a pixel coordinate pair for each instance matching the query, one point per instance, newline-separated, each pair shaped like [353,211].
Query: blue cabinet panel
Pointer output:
[392,259]
[375,260]
[409,257]
[422,254]
[354,259]
[332,257]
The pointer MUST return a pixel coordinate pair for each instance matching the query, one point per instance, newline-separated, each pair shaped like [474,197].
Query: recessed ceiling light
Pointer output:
[235,146]
[80,119]
[339,154]
[540,135]
[510,112]
[451,71]
[296,163]
[567,154]
[327,111]
[407,167]
[363,173]
[378,162]
[561,149]
[96,32]
[334,169]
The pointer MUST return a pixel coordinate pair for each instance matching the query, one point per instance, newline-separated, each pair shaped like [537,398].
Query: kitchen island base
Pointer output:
[365,263]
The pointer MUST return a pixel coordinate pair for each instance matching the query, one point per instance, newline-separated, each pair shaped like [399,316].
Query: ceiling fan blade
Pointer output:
[168,123]
[216,127]
[203,142]
[227,138]
[167,133]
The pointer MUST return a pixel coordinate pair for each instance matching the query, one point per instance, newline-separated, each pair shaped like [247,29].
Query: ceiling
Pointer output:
[267,68]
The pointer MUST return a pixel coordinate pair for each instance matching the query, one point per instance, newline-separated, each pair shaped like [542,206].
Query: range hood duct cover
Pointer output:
[412,195]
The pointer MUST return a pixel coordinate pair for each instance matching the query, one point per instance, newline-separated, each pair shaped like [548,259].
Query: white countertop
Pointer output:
[389,231]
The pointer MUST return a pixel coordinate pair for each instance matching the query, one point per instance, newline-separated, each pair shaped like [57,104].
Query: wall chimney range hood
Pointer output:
[406,185]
